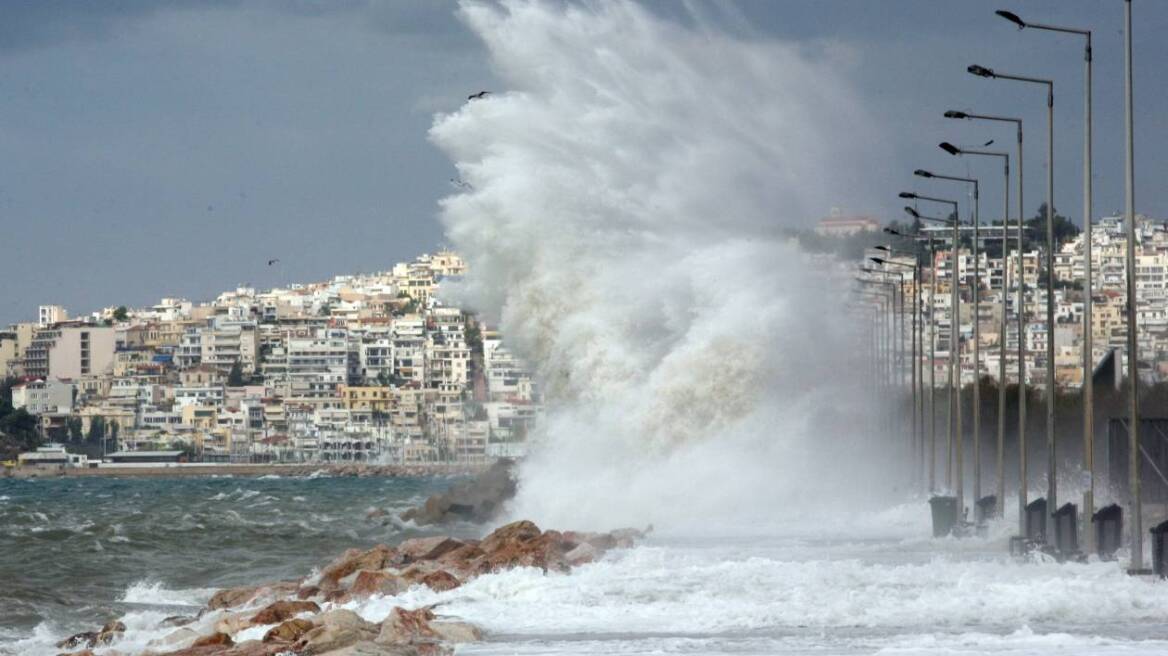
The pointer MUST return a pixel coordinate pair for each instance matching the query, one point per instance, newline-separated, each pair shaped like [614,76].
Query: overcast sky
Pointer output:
[153,149]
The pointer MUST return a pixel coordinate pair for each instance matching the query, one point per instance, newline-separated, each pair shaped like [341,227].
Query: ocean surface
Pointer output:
[77,553]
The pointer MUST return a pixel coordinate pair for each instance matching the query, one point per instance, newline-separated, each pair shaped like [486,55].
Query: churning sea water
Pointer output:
[77,553]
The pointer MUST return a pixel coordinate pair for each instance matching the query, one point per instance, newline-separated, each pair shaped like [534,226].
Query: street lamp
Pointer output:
[1052,463]
[932,457]
[955,150]
[975,287]
[1021,311]
[954,347]
[1088,336]
[914,271]
[1129,216]
[918,369]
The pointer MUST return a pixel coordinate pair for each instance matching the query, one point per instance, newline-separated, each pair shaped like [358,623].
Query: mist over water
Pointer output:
[627,191]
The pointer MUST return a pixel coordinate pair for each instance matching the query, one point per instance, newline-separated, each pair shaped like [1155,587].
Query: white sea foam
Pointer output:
[156,594]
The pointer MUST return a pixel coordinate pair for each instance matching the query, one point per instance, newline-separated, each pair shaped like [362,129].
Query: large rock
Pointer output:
[280,611]
[378,557]
[214,640]
[375,649]
[427,548]
[440,581]
[289,631]
[327,639]
[456,632]
[403,626]
[581,554]
[381,582]
[107,635]
[236,597]
[520,531]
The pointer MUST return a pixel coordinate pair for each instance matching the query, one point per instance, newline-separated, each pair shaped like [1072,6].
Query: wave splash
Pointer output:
[622,220]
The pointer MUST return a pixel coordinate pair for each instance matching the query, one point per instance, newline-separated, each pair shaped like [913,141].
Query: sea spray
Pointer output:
[625,197]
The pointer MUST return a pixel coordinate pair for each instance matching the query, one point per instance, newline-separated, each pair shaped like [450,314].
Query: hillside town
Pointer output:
[1108,295]
[359,368]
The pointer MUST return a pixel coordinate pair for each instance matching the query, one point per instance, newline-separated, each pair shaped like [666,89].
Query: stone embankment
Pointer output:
[308,617]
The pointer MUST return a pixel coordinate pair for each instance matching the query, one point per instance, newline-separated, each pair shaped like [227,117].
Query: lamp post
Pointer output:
[1021,311]
[932,454]
[1052,462]
[1129,216]
[975,289]
[885,327]
[954,343]
[913,340]
[1088,336]
[954,150]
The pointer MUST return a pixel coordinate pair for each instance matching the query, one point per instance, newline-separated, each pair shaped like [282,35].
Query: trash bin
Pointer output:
[944,515]
[1160,549]
[1036,521]
[1066,529]
[1108,531]
[987,508]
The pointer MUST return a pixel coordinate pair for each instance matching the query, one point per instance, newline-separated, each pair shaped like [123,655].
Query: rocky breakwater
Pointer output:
[312,616]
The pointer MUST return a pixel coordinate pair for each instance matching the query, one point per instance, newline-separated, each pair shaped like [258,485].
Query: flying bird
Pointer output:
[461,184]
[478,96]
[271,262]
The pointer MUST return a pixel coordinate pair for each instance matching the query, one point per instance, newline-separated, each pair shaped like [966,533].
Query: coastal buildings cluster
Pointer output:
[1108,295]
[368,368]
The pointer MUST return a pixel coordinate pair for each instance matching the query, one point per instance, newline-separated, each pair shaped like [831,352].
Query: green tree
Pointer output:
[73,424]
[235,376]
[1064,229]
[121,314]
[96,430]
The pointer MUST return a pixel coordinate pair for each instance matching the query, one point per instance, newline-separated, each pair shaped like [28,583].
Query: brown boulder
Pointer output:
[280,611]
[427,548]
[381,582]
[378,557]
[403,626]
[108,633]
[307,592]
[440,581]
[217,639]
[451,631]
[232,597]
[521,531]
[581,554]
[289,631]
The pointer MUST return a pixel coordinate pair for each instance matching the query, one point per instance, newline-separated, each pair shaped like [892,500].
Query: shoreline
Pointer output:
[249,470]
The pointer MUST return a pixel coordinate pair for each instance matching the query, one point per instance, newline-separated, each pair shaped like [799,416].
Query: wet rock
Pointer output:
[176,620]
[456,632]
[233,597]
[515,531]
[280,611]
[215,639]
[403,626]
[327,639]
[581,554]
[427,548]
[107,635]
[378,557]
[289,631]
[382,582]
[440,581]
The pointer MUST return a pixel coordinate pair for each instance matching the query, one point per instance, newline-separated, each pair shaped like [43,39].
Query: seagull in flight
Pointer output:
[478,96]
[461,184]
[272,261]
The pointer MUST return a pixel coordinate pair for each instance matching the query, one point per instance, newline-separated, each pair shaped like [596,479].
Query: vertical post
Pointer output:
[932,369]
[1020,273]
[955,363]
[976,289]
[1052,463]
[1133,429]
[1002,330]
[1088,336]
